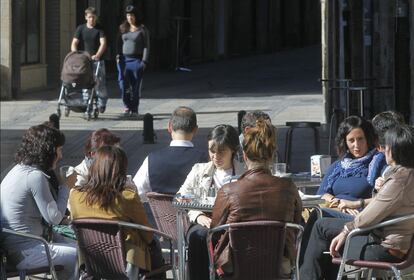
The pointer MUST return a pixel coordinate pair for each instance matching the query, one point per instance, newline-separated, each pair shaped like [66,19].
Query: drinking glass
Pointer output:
[279,169]
[65,171]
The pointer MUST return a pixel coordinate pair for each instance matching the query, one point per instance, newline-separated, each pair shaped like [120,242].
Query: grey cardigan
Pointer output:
[25,200]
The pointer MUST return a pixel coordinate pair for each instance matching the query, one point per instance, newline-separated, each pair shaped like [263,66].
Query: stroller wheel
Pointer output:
[67,111]
[87,116]
[59,112]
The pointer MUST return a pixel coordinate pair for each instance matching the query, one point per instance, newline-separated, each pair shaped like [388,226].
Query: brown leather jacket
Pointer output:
[257,195]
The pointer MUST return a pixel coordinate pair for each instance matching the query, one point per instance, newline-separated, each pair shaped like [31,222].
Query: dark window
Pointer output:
[30,32]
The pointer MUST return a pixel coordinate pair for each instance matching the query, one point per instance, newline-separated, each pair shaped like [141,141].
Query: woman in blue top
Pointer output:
[352,176]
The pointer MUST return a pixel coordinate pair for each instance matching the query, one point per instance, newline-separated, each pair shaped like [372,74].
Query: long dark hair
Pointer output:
[38,146]
[349,124]
[107,177]
[130,9]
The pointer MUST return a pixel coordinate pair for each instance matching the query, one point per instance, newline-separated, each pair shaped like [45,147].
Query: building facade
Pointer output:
[36,34]
[368,55]
[367,46]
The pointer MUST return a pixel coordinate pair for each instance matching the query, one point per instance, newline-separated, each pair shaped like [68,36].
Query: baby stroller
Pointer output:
[78,92]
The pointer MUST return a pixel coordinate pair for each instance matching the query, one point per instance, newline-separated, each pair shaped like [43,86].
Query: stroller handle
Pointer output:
[97,68]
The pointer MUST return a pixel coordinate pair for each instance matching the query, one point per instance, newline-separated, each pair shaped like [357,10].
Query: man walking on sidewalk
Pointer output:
[90,37]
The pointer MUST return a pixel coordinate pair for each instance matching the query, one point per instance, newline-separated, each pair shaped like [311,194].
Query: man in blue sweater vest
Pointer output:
[165,170]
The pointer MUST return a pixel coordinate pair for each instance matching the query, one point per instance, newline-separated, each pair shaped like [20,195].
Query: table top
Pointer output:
[192,205]
[196,205]
[302,180]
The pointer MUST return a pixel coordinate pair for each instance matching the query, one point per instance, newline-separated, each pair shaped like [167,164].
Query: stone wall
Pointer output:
[5,47]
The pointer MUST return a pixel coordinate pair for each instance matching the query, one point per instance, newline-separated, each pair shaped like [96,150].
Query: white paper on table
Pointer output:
[308,196]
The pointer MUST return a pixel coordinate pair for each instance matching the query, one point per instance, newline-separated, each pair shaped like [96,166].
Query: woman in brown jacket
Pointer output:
[106,195]
[257,195]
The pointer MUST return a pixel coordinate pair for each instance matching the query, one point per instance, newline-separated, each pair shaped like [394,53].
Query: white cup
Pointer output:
[279,169]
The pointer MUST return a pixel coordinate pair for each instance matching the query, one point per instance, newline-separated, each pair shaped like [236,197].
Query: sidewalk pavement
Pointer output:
[283,84]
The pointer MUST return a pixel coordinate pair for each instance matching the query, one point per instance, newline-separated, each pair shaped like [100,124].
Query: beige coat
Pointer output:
[395,198]
[127,207]
[200,176]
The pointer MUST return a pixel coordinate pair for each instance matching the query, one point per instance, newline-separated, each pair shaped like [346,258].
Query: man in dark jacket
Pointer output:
[165,170]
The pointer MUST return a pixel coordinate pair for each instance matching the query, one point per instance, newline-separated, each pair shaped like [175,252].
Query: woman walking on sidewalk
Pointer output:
[132,58]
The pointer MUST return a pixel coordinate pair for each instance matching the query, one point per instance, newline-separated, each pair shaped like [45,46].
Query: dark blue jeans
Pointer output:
[197,252]
[317,265]
[130,71]
[326,212]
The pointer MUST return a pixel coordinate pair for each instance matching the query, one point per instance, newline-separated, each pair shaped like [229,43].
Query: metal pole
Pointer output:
[177,55]
[327,99]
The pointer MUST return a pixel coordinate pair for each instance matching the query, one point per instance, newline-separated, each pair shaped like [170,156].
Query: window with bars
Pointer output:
[30,32]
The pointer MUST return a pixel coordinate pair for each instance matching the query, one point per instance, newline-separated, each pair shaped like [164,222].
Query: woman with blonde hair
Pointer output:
[257,195]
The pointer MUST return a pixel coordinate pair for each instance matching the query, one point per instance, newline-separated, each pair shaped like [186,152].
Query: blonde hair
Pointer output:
[259,142]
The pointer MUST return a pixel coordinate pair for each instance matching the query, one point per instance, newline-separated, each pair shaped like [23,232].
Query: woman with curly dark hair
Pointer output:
[352,177]
[26,199]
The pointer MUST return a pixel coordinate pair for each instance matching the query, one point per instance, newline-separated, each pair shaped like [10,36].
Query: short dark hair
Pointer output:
[350,123]
[400,139]
[90,10]
[249,119]
[224,135]
[384,121]
[184,119]
[99,138]
[38,146]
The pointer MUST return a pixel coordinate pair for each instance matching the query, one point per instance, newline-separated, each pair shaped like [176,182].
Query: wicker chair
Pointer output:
[362,265]
[101,243]
[165,214]
[257,249]
[12,271]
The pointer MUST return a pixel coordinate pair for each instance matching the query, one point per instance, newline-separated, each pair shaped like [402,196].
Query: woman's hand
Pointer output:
[331,200]
[336,244]
[343,204]
[204,221]
[349,211]
[328,197]
[378,183]
[71,180]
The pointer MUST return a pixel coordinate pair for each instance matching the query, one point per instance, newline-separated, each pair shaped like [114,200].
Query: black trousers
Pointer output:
[197,252]
[317,265]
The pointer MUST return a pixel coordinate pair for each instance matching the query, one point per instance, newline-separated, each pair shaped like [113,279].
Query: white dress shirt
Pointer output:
[141,178]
